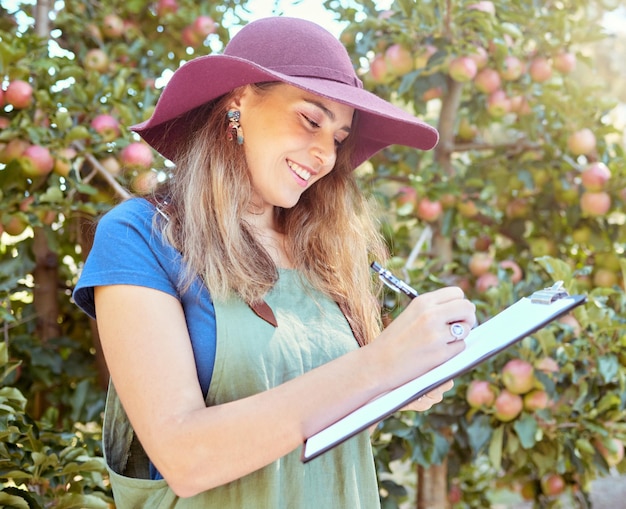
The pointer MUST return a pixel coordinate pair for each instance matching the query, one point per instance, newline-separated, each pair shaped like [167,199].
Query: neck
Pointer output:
[268,234]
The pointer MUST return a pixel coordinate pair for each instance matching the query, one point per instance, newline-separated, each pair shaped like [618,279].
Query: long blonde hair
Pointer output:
[331,234]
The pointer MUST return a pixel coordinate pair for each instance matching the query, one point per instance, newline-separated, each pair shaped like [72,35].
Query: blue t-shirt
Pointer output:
[128,251]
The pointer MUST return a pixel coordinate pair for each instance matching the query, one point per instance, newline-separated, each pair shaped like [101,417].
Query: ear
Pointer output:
[238,96]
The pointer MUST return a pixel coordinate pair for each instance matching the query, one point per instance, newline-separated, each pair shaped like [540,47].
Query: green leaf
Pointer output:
[608,366]
[495,447]
[526,429]
[13,501]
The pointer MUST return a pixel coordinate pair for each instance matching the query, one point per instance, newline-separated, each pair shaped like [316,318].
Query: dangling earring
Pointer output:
[234,127]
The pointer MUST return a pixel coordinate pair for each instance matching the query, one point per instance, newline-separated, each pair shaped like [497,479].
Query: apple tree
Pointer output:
[74,75]
[527,186]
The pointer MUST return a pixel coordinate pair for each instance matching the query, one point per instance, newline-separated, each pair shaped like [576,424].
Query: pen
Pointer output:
[393,282]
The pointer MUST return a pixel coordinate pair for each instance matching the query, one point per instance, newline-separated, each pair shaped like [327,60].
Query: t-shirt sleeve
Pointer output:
[127,251]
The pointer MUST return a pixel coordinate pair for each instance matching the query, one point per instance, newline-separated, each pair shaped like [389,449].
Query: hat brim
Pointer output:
[380,123]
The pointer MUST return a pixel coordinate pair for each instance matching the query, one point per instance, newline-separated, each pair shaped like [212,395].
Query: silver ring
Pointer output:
[457,331]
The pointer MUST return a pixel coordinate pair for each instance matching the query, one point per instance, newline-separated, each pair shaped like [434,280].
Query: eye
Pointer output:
[311,122]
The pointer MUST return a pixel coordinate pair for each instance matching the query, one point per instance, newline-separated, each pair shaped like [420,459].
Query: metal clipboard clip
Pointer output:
[549,295]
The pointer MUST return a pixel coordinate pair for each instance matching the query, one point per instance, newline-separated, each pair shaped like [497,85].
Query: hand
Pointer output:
[420,338]
[430,399]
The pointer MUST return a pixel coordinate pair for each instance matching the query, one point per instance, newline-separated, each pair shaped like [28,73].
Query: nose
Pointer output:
[325,151]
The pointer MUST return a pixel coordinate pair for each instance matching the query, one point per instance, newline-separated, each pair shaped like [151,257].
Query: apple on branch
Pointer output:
[581,142]
[595,176]
[462,69]
[399,60]
[96,60]
[480,394]
[540,70]
[106,126]
[512,68]
[138,155]
[518,376]
[19,94]
[487,80]
[508,406]
[37,161]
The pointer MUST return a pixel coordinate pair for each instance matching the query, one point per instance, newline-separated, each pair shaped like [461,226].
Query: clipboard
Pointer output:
[527,315]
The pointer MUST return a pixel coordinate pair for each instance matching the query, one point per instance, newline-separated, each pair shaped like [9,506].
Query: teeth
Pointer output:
[301,172]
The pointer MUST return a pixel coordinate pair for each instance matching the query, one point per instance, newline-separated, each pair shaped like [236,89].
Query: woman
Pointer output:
[232,304]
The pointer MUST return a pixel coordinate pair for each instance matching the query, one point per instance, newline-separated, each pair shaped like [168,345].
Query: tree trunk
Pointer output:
[85,233]
[432,489]
[45,297]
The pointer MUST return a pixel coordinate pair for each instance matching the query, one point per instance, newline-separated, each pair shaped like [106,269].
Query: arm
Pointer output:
[148,351]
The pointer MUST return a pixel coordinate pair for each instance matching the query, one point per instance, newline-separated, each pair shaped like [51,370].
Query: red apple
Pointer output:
[487,80]
[552,485]
[112,165]
[486,281]
[547,365]
[564,62]
[462,69]
[611,449]
[570,322]
[19,94]
[480,57]
[595,176]
[483,6]
[520,105]
[498,104]
[4,122]
[137,154]
[379,70]
[13,149]
[407,195]
[480,263]
[482,242]
[63,161]
[536,399]
[96,60]
[428,210]
[37,161]
[540,69]
[145,182]
[581,142]
[399,60]
[508,406]
[164,7]
[15,224]
[480,393]
[432,93]
[518,376]
[203,26]
[513,268]
[112,26]
[512,68]
[106,126]
[595,203]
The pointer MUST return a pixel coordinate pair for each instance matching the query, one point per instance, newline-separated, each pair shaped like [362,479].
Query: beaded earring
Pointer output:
[234,127]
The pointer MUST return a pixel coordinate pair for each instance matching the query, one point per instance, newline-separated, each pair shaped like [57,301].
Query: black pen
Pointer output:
[393,282]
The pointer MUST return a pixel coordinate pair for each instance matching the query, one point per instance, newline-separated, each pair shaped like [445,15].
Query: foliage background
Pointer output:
[509,186]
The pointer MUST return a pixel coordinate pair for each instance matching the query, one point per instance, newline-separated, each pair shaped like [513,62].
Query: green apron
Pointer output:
[254,356]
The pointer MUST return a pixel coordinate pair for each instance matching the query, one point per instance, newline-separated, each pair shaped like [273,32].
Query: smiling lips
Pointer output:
[299,171]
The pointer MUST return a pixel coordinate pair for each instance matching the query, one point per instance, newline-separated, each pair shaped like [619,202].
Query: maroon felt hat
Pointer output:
[293,51]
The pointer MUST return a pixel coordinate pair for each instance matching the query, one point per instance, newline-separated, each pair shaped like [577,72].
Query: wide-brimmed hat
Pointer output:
[290,50]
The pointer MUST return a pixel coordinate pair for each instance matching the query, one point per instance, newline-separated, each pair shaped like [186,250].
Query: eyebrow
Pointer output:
[330,114]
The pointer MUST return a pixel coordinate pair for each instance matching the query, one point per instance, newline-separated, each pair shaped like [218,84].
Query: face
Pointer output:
[291,139]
